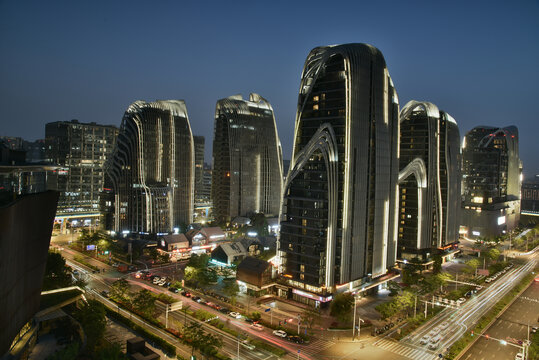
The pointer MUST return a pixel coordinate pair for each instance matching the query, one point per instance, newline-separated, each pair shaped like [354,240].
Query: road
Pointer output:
[512,324]
[102,281]
[458,320]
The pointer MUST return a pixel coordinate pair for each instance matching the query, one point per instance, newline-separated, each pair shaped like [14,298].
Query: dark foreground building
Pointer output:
[491,180]
[429,181]
[247,159]
[25,232]
[339,209]
[150,176]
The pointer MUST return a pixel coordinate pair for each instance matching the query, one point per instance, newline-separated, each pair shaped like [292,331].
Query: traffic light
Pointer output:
[472,333]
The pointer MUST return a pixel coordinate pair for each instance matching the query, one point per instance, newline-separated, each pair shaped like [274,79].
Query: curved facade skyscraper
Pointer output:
[429,181]
[491,179]
[339,209]
[151,172]
[247,159]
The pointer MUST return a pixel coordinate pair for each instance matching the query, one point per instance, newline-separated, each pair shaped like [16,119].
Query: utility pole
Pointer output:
[354,322]
[299,320]
[238,347]
[415,306]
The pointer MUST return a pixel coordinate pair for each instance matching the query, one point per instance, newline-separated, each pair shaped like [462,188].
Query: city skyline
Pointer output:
[73,61]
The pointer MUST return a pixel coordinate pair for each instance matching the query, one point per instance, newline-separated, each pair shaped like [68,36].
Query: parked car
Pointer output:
[186,293]
[433,346]
[534,329]
[224,310]
[257,326]
[196,298]
[461,300]
[519,356]
[235,315]
[424,340]
[174,290]
[296,339]
[105,293]
[248,320]
[279,333]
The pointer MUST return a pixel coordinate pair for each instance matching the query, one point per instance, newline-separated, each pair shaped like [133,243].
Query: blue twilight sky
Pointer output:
[63,60]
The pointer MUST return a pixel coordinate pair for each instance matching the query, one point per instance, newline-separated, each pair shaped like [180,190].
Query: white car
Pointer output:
[461,300]
[424,340]
[433,346]
[235,315]
[519,356]
[257,327]
[434,332]
[156,280]
[444,325]
[279,333]
[246,345]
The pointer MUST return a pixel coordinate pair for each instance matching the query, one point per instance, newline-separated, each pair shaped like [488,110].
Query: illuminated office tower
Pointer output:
[150,177]
[429,181]
[247,159]
[80,150]
[338,225]
[491,173]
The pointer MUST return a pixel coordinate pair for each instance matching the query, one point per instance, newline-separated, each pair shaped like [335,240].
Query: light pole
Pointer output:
[359,327]
[238,347]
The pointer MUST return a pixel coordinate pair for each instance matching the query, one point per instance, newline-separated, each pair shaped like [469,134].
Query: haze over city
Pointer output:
[89,61]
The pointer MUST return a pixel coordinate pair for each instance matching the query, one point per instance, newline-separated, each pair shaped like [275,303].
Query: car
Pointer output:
[488,280]
[247,320]
[201,301]
[434,332]
[235,315]
[433,346]
[257,326]
[156,279]
[186,293]
[174,290]
[105,293]
[162,282]
[519,356]
[247,345]
[444,325]
[424,340]
[461,300]
[224,310]
[196,298]
[279,333]
[537,278]
[296,339]
[534,329]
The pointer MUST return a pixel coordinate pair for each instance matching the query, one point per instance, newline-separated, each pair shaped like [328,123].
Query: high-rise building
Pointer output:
[199,168]
[150,176]
[339,209]
[81,150]
[530,196]
[429,181]
[247,159]
[491,172]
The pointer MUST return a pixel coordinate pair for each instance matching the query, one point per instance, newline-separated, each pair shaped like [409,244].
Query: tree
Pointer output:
[393,287]
[199,261]
[260,224]
[144,302]
[437,265]
[119,290]
[471,266]
[310,316]
[154,254]
[93,321]
[206,343]
[255,315]
[231,289]
[493,254]
[57,273]
[341,306]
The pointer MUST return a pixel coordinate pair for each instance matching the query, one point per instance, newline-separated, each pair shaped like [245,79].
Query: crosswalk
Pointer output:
[316,346]
[405,350]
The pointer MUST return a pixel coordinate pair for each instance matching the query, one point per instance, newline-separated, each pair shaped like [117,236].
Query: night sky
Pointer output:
[63,60]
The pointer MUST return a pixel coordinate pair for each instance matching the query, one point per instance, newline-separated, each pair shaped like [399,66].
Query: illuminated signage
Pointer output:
[501,220]
[311,296]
